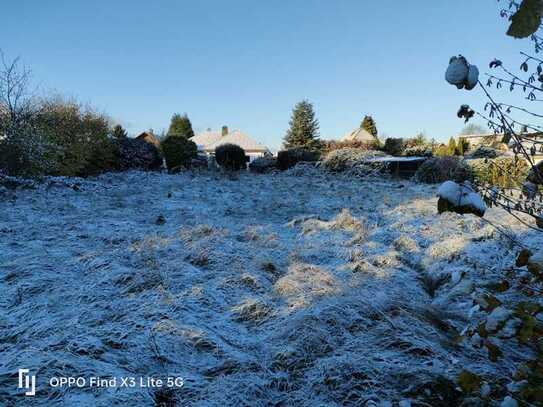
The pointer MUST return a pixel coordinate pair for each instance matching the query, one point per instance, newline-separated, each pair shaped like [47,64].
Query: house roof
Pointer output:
[149,138]
[234,137]
[206,138]
[481,136]
[359,134]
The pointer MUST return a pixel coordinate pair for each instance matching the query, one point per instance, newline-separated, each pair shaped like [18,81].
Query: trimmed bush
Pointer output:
[263,164]
[394,146]
[419,151]
[505,172]
[138,154]
[348,158]
[178,152]
[441,169]
[289,158]
[485,152]
[231,157]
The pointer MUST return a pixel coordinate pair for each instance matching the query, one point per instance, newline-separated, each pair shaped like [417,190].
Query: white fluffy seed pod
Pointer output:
[457,72]
[473,77]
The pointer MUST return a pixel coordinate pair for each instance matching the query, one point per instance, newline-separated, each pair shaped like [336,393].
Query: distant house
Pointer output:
[150,138]
[208,140]
[360,135]
[529,140]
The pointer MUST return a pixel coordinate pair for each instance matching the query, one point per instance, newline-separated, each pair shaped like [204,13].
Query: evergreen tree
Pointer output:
[369,125]
[119,132]
[180,126]
[462,147]
[452,146]
[304,127]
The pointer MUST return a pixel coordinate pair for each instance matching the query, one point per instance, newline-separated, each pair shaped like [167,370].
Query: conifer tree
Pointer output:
[119,132]
[369,125]
[180,126]
[462,147]
[304,127]
[452,146]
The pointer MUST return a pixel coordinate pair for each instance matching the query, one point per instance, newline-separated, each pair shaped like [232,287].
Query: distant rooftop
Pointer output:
[209,140]
[359,134]
[206,138]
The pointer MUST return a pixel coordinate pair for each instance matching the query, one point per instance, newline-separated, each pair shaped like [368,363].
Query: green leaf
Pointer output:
[527,19]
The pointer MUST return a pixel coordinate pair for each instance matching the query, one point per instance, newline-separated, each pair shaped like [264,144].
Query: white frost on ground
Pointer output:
[258,290]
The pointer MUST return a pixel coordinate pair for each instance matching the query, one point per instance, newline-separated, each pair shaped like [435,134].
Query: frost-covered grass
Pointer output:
[259,290]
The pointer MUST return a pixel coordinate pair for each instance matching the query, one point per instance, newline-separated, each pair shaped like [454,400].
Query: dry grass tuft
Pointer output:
[304,282]
[252,311]
[199,258]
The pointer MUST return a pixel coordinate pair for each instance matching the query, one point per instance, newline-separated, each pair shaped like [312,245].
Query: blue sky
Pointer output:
[246,63]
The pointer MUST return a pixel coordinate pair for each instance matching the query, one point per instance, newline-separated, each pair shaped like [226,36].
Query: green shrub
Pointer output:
[485,152]
[441,169]
[231,157]
[180,126]
[394,146]
[138,154]
[81,136]
[419,151]
[178,152]
[25,152]
[463,146]
[505,172]
[289,158]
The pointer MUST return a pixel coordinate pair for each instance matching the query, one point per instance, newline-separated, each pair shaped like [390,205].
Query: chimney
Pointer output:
[224,130]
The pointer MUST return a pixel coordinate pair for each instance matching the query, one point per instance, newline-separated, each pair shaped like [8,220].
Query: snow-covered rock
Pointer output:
[459,198]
